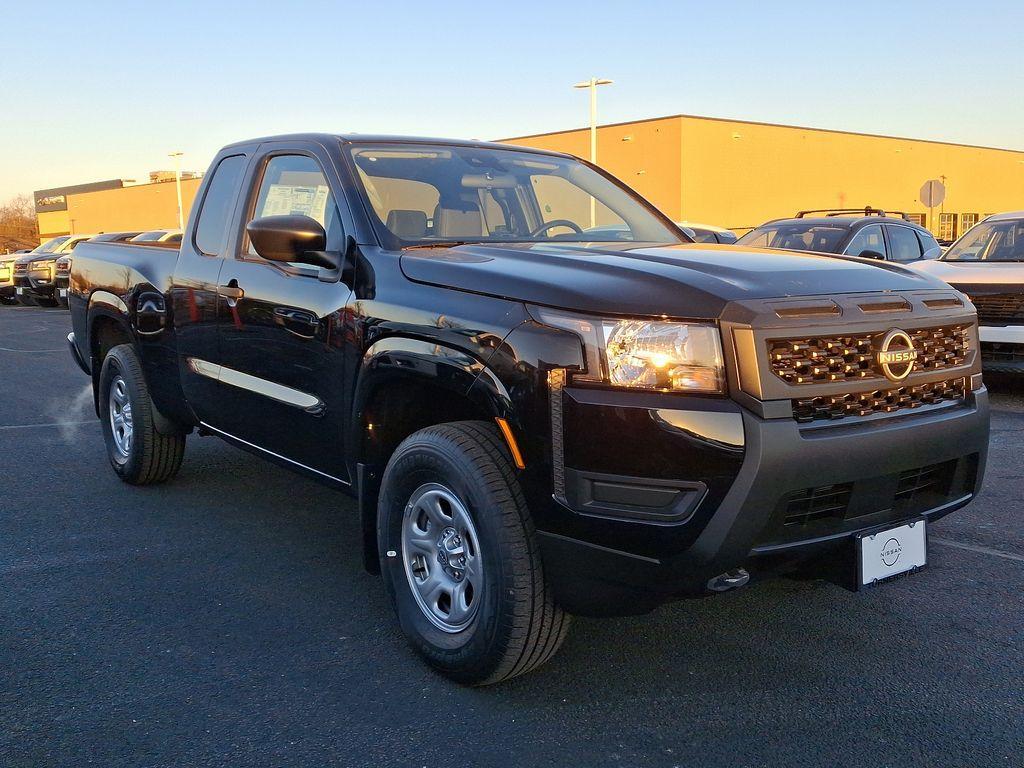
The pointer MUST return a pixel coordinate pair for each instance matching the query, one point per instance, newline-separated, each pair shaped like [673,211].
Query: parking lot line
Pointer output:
[977,548]
[51,424]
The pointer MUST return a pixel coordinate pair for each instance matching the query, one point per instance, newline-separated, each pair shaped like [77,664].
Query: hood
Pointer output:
[958,273]
[694,280]
[30,257]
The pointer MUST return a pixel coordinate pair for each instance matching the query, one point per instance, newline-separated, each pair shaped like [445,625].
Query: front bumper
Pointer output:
[800,490]
[1002,348]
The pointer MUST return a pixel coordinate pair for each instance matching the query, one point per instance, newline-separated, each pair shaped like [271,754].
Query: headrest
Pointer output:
[407,225]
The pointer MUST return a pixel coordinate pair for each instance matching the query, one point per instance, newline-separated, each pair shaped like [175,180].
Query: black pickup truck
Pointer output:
[534,423]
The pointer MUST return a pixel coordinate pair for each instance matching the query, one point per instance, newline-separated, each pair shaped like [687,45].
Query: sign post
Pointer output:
[932,193]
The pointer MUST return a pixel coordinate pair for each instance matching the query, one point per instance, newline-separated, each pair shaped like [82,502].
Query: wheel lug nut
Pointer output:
[462,561]
[458,539]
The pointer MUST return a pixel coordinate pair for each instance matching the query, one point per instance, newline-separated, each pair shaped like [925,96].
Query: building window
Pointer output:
[947,226]
[967,220]
[921,219]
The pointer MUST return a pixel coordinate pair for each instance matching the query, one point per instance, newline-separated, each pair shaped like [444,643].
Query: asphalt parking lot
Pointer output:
[224,619]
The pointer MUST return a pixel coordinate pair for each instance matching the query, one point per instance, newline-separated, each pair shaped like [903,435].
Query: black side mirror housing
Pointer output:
[872,255]
[292,238]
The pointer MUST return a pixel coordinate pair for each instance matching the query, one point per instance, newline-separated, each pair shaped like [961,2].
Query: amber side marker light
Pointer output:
[506,430]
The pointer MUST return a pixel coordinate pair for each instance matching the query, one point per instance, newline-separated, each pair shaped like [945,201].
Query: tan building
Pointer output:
[112,206]
[740,174]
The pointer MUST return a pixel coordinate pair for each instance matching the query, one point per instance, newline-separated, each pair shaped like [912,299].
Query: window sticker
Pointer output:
[286,199]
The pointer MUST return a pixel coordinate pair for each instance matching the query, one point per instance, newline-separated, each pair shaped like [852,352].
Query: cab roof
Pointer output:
[373,138]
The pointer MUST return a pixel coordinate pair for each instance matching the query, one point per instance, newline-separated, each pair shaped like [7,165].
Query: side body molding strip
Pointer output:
[270,389]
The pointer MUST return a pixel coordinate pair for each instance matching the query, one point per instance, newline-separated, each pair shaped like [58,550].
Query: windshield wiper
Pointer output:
[441,244]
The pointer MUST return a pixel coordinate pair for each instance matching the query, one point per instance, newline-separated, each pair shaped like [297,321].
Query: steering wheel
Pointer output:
[557,223]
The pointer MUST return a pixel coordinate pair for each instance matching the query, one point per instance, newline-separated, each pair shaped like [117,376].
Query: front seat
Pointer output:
[462,219]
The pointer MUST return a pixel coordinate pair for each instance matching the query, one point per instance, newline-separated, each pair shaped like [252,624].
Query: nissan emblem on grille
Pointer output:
[896,355]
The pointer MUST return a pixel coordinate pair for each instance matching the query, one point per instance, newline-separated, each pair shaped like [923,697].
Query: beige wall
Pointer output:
[739,174]
[141,207]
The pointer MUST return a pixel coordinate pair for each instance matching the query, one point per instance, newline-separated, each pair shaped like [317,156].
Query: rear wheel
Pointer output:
[459,556]
[47,302]
[139,454]
[26,301]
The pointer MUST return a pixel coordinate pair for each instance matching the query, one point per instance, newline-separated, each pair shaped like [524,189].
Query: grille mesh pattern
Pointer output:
[1000,307]
[824,359]
[876,401]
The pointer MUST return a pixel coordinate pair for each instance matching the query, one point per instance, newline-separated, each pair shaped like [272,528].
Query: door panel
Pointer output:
[281,331]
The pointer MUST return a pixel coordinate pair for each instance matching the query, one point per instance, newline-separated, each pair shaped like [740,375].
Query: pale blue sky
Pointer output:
[97,90]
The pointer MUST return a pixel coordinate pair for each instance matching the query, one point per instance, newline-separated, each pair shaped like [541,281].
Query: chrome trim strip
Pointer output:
[269,389]
[229,436]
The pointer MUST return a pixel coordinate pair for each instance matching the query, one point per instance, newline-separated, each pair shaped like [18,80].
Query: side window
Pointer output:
[296,185]
[868,239]
[704,236]
[929,245]
[904,243]
[213,224]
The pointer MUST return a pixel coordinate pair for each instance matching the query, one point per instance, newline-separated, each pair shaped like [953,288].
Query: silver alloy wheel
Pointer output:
[121,416]
[441,554]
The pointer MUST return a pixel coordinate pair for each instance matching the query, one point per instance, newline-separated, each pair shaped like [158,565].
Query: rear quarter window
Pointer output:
[212,224]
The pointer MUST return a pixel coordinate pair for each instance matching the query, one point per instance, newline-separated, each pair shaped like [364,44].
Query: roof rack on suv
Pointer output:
[865,211]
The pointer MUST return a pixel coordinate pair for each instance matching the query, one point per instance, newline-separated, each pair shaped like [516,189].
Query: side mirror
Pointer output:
[297,239]
[872,255]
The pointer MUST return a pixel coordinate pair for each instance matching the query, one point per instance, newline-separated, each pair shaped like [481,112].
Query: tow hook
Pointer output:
[733,579]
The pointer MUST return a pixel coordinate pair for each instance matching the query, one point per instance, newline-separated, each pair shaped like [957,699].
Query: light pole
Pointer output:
[592,84]
[177,183]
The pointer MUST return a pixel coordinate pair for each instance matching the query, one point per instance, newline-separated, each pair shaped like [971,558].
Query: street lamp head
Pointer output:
[175,154]
[593,82]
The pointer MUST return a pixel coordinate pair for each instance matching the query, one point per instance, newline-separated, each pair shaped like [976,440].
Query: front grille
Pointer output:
[1002,352]
[914,484]
[817,503]
[1000,308]
[826,359]
[831,407]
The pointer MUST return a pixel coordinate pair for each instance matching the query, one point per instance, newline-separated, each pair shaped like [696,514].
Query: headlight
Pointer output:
[645,354]
[64,264]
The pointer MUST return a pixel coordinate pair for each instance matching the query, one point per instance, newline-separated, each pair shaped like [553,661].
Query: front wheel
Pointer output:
[139,454]
[459,556]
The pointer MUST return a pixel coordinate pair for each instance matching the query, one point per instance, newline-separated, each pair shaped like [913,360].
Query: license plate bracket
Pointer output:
[884,553]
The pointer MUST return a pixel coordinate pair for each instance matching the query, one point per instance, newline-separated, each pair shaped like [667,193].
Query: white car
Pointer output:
[987,263]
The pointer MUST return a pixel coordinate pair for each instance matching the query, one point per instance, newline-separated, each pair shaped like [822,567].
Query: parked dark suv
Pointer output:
[866,232]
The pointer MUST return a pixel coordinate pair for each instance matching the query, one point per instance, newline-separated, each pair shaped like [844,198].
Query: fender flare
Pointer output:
[402,359]
[104,304]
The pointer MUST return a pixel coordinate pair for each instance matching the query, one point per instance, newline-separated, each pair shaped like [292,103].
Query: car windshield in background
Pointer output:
[52,245]
[433,195]
[149,237]
[796,237]
[990,241]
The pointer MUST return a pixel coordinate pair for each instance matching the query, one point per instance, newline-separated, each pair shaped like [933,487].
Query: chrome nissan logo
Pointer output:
[896,355]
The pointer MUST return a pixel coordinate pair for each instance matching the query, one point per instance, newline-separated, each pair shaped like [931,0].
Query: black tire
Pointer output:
[47,302]
[27,301]
[517,626]
[151,457]
[8,301]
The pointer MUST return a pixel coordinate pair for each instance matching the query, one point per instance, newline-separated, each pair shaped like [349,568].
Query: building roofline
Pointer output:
[769,125]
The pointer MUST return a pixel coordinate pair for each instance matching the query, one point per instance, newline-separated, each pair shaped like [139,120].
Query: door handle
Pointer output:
[230,292]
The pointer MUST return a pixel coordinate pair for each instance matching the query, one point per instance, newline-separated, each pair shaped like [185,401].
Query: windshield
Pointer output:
[797,237]
[52,245]
[990,241]
[427,195]
[149,237]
